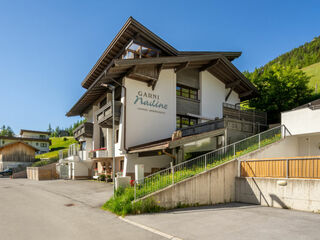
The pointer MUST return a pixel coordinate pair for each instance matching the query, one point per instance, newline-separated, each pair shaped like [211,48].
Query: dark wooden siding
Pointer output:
[185,105]
[189,77]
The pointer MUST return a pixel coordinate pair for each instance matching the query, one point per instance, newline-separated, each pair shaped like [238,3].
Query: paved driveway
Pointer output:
[60,210]
[235,221]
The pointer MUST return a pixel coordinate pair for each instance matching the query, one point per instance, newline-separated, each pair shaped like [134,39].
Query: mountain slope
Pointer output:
[300,57]
[314,72]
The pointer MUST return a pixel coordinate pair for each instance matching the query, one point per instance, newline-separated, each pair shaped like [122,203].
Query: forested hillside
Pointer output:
[299,57]
[290,80]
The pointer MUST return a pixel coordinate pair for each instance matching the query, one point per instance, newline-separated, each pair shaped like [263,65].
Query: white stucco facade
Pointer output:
[147,123]
[212,95]
[301,121]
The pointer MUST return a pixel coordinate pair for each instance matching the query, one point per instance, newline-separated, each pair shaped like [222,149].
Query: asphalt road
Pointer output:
[60,210]
[235,221]
[71,210]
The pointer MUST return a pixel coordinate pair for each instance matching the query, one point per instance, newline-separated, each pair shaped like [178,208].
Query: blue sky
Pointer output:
[48,47]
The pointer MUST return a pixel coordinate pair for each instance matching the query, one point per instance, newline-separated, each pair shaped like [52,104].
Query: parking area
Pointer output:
[234,221]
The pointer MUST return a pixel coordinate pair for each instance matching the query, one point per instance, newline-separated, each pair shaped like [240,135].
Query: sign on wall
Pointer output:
[151,114]
[151,102]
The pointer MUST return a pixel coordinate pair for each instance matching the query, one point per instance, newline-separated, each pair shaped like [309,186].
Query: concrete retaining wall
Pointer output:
[212,187]
[299,194]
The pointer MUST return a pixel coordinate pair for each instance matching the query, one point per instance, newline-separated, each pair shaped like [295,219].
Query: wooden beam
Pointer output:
[209,65]
[131,70]
[165,60]
[143,76]
[159,68]
[168,154]
[245,94]
[228,95]
[181,67]
[233,84]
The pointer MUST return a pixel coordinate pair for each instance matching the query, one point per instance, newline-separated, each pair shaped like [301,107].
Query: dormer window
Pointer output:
[137,50]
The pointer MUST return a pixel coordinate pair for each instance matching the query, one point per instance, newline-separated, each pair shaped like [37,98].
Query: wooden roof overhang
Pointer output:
[132,30]
[148,70]
[25,139]
[18,142]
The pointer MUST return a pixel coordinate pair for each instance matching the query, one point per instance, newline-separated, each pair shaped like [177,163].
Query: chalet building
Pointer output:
[16,155]
[38,139]
[170,105]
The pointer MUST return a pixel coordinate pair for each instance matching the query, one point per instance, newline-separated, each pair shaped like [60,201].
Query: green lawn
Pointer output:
[57,144]
[314,72]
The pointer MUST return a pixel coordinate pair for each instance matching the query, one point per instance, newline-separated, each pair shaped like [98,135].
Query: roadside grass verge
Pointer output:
[122,203]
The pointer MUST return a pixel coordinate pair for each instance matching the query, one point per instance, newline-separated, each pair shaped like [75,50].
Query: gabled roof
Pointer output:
[133,30]
[18,142]
[32,131]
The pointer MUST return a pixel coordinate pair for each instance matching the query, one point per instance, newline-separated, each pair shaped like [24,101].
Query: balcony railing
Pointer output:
[84,130]
[187,169]
[99,153]
[230,123]
[250,115]
[104,114]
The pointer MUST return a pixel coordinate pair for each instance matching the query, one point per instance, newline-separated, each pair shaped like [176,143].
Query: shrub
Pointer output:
[102,178]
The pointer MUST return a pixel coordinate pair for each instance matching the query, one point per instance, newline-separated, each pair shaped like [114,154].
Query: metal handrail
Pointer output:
[204,157]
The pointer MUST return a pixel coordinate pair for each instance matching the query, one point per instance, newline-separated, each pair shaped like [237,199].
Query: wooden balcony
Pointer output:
[104,114]
[84,130]
[236,112]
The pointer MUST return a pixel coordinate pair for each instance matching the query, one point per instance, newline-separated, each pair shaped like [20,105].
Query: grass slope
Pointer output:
[57,144]
[314,72]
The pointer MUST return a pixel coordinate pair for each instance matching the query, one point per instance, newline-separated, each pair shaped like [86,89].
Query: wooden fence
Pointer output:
[298,167]
[47,172]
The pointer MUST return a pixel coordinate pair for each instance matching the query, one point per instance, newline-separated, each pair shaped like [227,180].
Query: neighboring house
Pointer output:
[170,105]
[38,139]
[16,155]
[304,119]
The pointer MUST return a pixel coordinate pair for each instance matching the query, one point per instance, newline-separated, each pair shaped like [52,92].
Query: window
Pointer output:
[103,102]
[43,136]
[121,165]
[137,50]
[117,135]
[185,121]
[102,140]
[43,144]
[187,92]
[83,146]
[37,144]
